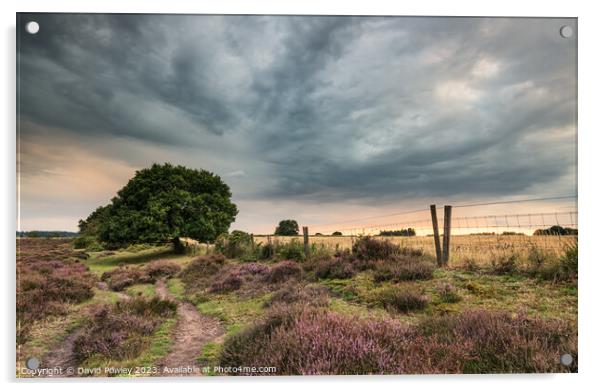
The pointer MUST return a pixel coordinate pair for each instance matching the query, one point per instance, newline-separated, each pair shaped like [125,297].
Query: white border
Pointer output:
[589,188]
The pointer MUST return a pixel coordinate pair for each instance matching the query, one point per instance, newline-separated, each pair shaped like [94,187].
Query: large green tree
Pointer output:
[164,203]
[287,228]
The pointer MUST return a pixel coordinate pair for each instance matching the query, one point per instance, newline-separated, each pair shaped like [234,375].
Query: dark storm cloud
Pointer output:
[318,108]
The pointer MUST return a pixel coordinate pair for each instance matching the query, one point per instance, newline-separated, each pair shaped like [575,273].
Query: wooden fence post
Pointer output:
[252,243]
[306,242]
[447,213]
[436,234]
[270,249]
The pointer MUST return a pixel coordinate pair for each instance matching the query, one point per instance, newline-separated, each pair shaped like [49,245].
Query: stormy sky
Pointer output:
[322,119]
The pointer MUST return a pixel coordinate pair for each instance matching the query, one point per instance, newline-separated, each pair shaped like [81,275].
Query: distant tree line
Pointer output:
[399,232]
[46,234]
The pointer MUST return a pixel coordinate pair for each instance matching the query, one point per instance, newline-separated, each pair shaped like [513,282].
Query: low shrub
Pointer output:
[48,281]
[283,271]
[407,270]
[311,295]
[123,276]
[336,268]
[293,250]
[235,245]
[88,243]
[502,343]
[401,298]
[569,261]
[312,341]
[230,282]
[253,268]
[448,293]
[367,248]
[162,268]
[504,264]
[202,269]
[123,330]
[470,265]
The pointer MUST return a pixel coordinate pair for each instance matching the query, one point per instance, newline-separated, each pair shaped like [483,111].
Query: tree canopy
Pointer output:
[164,203]
[287,228]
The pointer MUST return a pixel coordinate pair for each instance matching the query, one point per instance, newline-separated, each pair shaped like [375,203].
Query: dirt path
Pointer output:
[191,333]
[62,356]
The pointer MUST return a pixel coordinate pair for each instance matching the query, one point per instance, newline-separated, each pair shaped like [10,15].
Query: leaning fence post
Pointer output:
[436,234]
[252,243]
[306,242]
[447,212]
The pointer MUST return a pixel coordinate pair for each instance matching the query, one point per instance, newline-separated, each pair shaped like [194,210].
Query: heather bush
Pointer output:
[123,330]
[401,298]
[334,268]
[367,248]
[502,343]
[123,276]
[162,268]
[312,341]
[202,269]
[312,295]
[230,282]
[448,293]
[403,270]
[48,281]
[283,271]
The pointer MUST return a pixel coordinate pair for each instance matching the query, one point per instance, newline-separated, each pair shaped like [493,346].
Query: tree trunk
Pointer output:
[178,247]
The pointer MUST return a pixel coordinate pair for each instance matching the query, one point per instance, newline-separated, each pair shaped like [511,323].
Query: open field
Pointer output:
[478,248]
[212,313]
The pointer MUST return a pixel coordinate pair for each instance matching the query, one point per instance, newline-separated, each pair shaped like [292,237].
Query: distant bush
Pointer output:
[162,268]
[406,270]
[401,298]
[87,242]
[337,233]
[283,271]
[291,250]
[301,340]
[234,245]
[121,331]
[556,230]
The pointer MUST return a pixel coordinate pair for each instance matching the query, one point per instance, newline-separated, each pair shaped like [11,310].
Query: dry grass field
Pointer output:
[480,249]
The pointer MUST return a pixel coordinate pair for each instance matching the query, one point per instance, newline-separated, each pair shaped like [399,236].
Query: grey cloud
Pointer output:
[317,108]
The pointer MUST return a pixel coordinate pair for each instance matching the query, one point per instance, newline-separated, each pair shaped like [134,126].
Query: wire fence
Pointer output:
[477,230]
